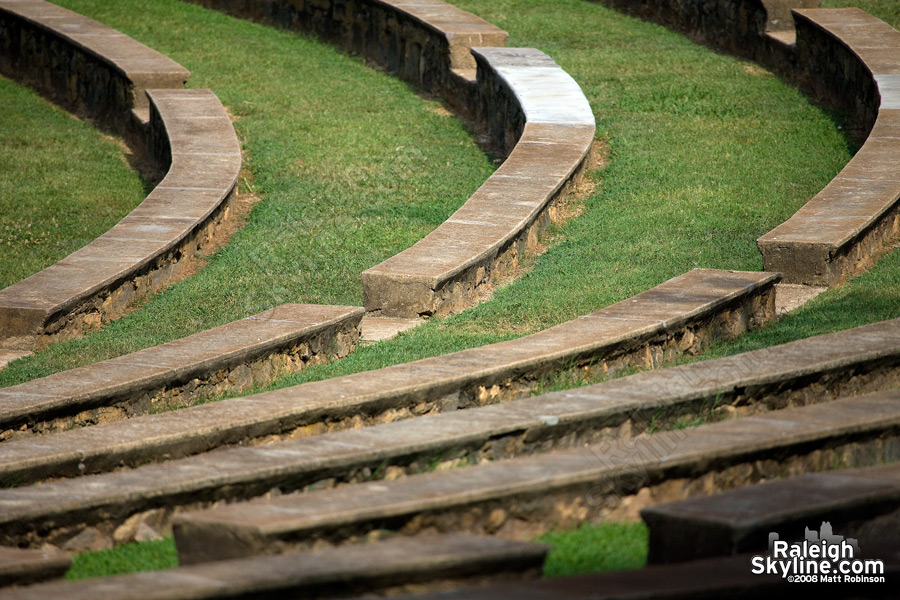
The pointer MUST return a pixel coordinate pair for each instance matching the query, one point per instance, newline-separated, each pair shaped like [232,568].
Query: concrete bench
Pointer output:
[228,358]
[678,316]
[526,496]
[111,506]
[193,137]
[537,109]
[853,60]
[388,565]
[82,65]
[425,42]
[858,503]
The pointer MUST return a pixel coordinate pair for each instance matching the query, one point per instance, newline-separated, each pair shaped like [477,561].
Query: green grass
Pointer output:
[127,558]
[352,167]
[590,548]
[706,153]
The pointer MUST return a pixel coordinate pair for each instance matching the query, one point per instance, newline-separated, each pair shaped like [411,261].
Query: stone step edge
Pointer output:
[557,488]
[329,572]
[170,368]
[799,372]
[740,520]
[20,566]
[682,315]
[824,243]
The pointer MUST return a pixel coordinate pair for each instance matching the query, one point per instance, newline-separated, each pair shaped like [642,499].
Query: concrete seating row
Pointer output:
[845,58]
[679,316]
[425,42]
[851,60]
[729,577]
[458,56]
[535,109]
[147,248]
[106,76]
[21,566]
[229,358]
[112,506]
[385,566]
[526,496]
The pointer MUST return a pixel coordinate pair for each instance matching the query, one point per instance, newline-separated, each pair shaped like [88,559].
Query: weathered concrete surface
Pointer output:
[85,66]
[717,578]
[679,316]
[424,42]
[193,137]
[231,357]
[535,110]
[853,63]
[519,497]
[22,567]
[375,566]
[858,503]
[375,329]
[795,374]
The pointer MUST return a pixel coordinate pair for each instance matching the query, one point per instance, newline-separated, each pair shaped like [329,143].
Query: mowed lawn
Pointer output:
[705,153]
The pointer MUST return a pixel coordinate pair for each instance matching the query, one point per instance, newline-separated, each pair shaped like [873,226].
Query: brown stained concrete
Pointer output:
[333,572]
[376,329]
[739,521]
[791,296]
[443,499]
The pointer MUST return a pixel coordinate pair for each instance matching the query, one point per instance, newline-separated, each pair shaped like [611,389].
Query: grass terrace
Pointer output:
[704,153]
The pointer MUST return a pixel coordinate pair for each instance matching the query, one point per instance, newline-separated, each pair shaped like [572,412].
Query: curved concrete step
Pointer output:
[230,357]
[680,315]
[853,60]
[537,110]
[802,372]
[193,136]
[424,42]
[85,66]
[525,496]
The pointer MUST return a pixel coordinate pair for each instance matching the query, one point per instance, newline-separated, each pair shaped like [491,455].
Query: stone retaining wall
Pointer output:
[751,29]
[85,67]
[425,43]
